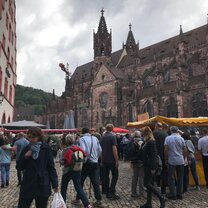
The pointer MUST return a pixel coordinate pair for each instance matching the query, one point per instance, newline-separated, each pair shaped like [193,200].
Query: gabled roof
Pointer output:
[127,60]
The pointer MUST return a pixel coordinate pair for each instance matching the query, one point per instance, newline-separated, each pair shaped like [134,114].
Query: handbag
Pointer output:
[58,201]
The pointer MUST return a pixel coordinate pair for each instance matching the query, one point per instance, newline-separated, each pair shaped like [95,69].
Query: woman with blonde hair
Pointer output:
[149,154]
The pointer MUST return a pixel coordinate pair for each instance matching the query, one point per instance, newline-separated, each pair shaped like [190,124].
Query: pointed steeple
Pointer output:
[102,39]
[131,46]
[181,35]
[53,97]
[181,30]
[102,28]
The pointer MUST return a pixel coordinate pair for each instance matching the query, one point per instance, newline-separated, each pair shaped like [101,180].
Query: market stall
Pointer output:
[191,122]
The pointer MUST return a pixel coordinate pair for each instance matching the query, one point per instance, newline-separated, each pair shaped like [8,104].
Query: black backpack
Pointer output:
[133,151]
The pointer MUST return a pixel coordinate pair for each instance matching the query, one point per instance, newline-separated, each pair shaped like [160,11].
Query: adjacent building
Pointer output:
[169,78]
[7,59]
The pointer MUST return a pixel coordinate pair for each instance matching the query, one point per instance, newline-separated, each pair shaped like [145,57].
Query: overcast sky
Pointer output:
[54,31]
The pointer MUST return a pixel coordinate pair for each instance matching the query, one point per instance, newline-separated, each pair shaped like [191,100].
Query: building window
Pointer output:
[167,76]
[3,41]
[8,54]
[148,108]
[147,82]
[12,62]
[103,117]
[1,79]
[199,105]
[10,33]
[130,113]
[7,20]
[190,71]
[5,87]
[3,120]
[12,38]
[172,108]
[9,120]
[10,94]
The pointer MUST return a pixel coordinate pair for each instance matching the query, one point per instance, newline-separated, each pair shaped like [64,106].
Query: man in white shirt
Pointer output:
[203,148]
[175,149]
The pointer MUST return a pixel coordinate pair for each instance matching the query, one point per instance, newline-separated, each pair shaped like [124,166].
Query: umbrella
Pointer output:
[120,130]
[22,124]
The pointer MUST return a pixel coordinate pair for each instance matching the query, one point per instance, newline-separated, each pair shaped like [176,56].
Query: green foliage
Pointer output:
[28,96]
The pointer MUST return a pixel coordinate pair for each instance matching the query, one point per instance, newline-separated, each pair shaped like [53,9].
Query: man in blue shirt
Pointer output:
[19,145]
[175,149]
[91,146]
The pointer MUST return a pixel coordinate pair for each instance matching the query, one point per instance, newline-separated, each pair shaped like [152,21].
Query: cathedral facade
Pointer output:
[169,78]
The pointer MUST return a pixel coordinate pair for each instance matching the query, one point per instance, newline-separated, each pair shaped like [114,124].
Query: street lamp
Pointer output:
[1,97]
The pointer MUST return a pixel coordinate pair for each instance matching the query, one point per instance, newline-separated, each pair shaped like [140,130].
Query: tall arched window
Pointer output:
[130,113]
[172,108]
[9,120]
[148,108]
[199,105]
[3,120]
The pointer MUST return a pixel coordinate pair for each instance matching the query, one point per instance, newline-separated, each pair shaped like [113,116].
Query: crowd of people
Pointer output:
[160,161]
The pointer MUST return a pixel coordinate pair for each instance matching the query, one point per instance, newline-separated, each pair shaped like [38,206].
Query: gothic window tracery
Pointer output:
[103,99]
[199,105]
[172,108]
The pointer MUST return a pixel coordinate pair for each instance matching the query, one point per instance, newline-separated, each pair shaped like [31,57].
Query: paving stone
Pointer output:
[192,199]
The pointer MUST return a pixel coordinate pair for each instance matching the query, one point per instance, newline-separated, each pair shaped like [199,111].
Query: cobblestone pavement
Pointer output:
[192,199]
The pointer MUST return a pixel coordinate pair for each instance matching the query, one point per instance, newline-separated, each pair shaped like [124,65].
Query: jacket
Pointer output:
[149,155]
[39,174]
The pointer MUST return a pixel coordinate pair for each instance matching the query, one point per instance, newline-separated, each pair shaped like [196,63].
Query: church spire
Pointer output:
[102,39]
[131,46]
[181,35]
[181,30]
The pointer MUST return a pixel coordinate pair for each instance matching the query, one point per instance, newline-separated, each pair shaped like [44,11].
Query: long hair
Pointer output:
[147,134]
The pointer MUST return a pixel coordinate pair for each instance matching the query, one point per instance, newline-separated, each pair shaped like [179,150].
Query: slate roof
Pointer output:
[193,38]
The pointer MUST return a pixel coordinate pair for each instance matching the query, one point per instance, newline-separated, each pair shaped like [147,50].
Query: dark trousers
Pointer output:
[193,171]
[109,188]
[19,176]
[148,183]
[205,166]
[76,178]
[92,171]
[179,179]
[39,202]
[162,179]
[185,178]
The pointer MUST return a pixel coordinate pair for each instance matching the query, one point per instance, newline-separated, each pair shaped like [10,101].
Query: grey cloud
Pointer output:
[152,21]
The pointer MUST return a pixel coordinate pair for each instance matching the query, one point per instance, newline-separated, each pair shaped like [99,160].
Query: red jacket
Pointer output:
[69,153]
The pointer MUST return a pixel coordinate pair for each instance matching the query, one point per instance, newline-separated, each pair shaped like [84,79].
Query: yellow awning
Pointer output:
[170,121]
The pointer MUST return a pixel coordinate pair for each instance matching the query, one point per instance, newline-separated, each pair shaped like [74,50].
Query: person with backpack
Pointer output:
[91,145]
[134,154]
[150,161]
[72,160]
